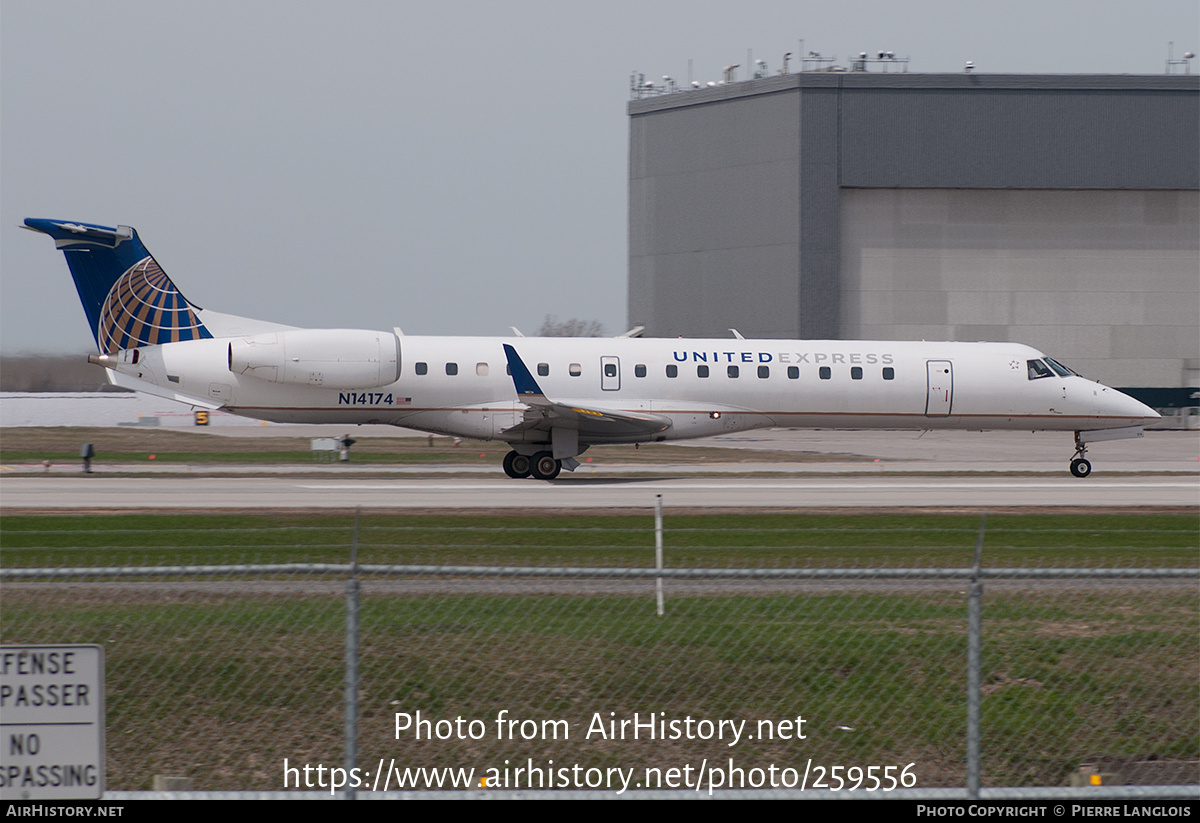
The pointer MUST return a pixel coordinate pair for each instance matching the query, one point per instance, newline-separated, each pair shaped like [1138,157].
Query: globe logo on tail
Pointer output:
[144,308]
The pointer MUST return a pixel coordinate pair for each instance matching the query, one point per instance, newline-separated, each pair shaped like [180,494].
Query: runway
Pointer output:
[855,470]
[98,493]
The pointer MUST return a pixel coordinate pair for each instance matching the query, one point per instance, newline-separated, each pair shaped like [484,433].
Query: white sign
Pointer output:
[51,722]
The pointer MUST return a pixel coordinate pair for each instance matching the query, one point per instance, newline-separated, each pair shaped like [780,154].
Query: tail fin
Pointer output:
[128,298]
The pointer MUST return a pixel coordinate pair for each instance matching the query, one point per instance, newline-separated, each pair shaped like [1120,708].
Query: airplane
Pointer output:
[550,399]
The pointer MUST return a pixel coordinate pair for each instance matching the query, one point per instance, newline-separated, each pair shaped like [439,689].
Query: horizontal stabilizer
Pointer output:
[127,382]
[128,298]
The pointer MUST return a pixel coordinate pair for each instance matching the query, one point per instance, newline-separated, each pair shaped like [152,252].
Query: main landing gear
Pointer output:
[1080,467]
[541,466]
[517,465]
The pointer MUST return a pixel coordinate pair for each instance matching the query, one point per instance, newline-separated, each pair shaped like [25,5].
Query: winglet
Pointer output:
[522,379]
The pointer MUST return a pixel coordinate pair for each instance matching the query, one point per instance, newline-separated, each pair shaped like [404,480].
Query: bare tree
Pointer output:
[551,327]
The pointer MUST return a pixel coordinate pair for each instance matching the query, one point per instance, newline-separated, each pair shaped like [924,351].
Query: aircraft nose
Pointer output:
[1122,405]
[1149,415]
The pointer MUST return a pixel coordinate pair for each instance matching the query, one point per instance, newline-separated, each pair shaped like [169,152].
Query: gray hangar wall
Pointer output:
[1059,211]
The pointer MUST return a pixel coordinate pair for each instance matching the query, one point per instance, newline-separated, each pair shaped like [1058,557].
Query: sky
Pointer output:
[447,168]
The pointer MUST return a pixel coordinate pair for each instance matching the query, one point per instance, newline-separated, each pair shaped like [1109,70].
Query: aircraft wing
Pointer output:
[590,419]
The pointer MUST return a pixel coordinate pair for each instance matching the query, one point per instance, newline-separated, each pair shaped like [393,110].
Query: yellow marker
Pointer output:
[1095,779]
[483,782]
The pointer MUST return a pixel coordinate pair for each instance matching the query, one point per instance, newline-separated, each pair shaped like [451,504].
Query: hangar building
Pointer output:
[1062,211]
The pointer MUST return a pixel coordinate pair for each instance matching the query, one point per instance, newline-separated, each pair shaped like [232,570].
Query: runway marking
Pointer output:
[828,485]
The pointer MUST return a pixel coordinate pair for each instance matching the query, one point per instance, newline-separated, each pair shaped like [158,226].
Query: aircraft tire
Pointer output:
[517,465]
[545,467]
[1080,467]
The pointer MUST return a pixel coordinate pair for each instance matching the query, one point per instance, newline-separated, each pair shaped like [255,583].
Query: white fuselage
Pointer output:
[461,386]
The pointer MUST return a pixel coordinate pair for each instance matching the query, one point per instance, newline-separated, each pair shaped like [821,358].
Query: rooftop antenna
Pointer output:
[815,61]
[1185,62]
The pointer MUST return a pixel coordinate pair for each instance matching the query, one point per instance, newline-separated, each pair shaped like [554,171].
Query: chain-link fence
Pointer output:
[527,652]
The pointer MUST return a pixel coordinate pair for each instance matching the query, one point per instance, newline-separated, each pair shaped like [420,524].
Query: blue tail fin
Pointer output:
[128,298]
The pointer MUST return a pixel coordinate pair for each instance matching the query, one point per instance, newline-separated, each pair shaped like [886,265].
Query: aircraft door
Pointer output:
[610,373]
[941,388]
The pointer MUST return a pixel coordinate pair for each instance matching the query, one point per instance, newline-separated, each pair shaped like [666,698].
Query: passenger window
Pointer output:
[793,372]
[543,369]
[889,373]
[481,369]
[826,373]
[451,369]
[764,371]
[422,368]
[575,369]
[1038,369]
[639,370]
[702,371]
[672,370]
[732,371]
[610,369]
[856,372]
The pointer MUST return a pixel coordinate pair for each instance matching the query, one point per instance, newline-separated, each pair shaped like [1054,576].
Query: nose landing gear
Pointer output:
[1080,467]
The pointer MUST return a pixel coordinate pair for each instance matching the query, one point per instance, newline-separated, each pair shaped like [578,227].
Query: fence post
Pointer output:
[658,552]
[974,641]
[351,679]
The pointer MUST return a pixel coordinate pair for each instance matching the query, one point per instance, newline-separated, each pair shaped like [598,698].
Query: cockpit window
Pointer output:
[1038,369]
[1059,368]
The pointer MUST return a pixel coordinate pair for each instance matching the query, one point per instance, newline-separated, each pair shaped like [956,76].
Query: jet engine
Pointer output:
[328,358]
